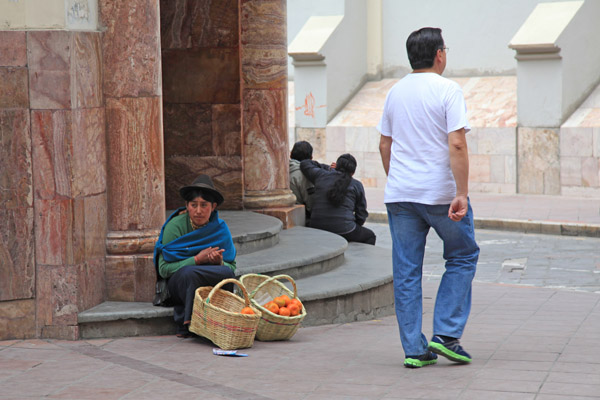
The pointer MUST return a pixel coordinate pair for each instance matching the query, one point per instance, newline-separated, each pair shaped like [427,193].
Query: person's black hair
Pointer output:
[346,164]
[302,150]
[422,46]
[190,195]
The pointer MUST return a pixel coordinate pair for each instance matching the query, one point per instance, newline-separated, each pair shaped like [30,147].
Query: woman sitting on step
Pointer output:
[194,249]
[339,202]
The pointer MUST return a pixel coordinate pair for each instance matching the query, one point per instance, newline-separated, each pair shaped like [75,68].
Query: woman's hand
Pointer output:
[210,255]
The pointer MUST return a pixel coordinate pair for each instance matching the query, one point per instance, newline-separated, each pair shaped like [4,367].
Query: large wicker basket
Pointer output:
[263,289]
[216,316]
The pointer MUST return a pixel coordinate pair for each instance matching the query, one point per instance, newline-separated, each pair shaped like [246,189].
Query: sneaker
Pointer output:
[451,349]
[423,360]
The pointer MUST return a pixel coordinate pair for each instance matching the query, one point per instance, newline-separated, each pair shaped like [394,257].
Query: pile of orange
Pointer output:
[284,306]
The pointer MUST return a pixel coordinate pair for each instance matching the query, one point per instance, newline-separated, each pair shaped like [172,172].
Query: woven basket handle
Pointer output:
[226,281]
[274,278]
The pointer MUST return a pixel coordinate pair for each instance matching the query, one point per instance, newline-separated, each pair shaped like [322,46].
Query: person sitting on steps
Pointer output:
[302,188]
[339,202]
[194,249]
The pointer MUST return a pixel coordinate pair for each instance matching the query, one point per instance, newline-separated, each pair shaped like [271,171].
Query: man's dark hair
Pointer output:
[302,150]
[422,46]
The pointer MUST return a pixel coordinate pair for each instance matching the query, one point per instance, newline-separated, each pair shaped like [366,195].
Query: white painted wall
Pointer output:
[477,32]
[49,14]
[330,55]
[299,11]
[580,50]
[346,57]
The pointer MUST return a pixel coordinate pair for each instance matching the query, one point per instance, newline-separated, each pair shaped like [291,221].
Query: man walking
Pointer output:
[424,152]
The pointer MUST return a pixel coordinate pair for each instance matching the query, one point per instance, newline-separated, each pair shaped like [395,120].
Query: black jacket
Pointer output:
[326,216]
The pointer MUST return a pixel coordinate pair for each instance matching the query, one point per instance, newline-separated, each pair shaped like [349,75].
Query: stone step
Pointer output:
[251,231]
[359,289]
[300,252]
[125,318]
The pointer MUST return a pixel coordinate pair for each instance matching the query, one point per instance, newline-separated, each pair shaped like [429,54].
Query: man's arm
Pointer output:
[385,149]
[459,163]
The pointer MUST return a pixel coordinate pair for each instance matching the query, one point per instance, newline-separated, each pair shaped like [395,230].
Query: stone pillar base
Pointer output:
[130,272]
[290,216]
[258,199]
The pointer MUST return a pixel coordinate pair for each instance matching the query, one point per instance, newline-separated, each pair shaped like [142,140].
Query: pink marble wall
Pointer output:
[201,102]
[69,176]
[52,161]
[17,268]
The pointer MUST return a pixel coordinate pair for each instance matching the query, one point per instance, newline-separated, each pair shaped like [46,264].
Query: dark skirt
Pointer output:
[182,288]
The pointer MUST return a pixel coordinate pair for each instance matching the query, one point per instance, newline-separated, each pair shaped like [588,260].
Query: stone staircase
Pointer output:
[338,282]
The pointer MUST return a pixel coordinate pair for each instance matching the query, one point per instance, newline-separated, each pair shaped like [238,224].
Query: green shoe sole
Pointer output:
[415,363]
[440,349]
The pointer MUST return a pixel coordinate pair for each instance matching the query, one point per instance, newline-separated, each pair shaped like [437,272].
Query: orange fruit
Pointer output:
[271,306]
[247,310]
[298,303]
[287,299]
[280,301]
[284,311]
[294,309]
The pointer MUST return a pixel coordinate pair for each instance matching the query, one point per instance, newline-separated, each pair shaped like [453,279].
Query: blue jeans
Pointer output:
[409,225]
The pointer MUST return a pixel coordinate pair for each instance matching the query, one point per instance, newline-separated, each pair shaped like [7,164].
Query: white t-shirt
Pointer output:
[420,110]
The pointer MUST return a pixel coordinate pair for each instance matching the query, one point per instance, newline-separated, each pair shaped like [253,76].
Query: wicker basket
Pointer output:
[263,289]
[216,316]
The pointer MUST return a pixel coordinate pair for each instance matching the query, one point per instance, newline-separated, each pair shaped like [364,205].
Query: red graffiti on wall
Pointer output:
[309,105]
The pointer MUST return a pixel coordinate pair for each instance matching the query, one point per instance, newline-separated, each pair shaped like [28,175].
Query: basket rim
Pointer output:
[246,302]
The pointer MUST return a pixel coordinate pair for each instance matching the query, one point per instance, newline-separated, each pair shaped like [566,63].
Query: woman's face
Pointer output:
[200,210]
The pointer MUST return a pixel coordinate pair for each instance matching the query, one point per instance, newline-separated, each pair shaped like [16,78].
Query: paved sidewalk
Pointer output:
[527,343]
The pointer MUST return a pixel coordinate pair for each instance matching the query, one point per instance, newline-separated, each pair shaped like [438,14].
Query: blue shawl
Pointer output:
[214,234]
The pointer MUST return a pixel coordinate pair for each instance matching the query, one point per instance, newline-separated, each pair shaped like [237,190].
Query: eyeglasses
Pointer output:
[446,49]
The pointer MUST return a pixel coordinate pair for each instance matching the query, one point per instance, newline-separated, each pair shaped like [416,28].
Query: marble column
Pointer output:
[135,176]
[263,54]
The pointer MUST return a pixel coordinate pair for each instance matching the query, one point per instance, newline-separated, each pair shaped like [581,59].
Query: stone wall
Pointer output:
[201,96]
[54,165]
[580,150]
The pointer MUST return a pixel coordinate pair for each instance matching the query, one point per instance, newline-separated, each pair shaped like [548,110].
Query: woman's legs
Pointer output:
[360,234]
[182,287]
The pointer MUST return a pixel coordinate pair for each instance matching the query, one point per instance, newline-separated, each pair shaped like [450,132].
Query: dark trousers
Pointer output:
[183,284]
[360,234]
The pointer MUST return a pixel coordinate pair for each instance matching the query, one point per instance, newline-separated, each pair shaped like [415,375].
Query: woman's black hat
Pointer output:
[204,183]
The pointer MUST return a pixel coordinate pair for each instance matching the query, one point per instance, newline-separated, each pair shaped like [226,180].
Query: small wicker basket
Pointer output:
[263,289]
[216,316]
